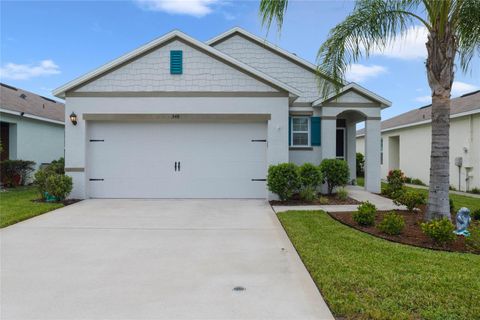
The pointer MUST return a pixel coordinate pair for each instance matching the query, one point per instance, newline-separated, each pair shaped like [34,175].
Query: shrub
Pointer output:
[15,172]
[365,214]
[392,223]
[417,182]
[411,199]
[308,194]
[323,200]
[282,179]
[475,190]
[360,161]
[452,206]
[59,185]
[408,180]
[335,173]
[41,182]
[440,231]
[473,241]
[476,215]
[57,166]
[342,194]
[310,176]
[395,183]
[452,188]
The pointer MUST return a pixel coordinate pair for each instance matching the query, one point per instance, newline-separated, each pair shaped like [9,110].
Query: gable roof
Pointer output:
[358,88]
[15,100]
[60,92]
[465,104]
[264,43]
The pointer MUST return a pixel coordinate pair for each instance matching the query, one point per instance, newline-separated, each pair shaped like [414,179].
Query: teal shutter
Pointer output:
[316,134]
[176,62]
[289,131]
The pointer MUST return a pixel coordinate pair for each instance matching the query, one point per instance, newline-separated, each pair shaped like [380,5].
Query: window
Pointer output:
[300,131]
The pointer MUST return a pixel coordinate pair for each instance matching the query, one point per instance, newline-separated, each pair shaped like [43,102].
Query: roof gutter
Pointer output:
[31,116]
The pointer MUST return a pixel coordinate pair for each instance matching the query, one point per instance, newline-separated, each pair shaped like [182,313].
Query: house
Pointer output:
[180,118]
[32,126]
[406,142]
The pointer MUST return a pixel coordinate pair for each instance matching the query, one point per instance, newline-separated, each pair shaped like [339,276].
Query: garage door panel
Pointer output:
[217,160]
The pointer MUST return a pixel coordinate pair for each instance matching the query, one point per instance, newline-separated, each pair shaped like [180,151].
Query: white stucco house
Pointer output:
[181,118]
[32,126]
[406,142]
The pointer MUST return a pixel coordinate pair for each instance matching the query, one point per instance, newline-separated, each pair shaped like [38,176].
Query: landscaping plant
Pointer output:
[308,194]
[476,214]
[453,40]
[395,184]
[322,200]
[310,176]
[473,241]
[440,230]
[365,214]
[59,185]
[410,199]
[342,194]
[392,223]
[15,172]
[283,180]
[475,190]
[360,164]
[335,173]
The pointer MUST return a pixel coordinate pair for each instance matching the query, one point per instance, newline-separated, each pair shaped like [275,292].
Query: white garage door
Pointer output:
[176,160]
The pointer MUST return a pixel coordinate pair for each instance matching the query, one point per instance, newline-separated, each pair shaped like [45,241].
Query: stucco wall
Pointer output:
[273,65]
[415,146]
[151,72]
[36,140]
[75,157]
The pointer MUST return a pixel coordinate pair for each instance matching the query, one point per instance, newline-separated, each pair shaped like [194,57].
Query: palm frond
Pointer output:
[468,32]
[271,10]
[372,25]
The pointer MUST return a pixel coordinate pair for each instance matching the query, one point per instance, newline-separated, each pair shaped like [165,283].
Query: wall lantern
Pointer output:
[73,118]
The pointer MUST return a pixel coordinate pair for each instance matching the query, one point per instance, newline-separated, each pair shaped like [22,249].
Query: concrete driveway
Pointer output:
[155,259]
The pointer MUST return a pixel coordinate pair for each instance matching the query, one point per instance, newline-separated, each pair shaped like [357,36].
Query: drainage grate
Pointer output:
[239,289]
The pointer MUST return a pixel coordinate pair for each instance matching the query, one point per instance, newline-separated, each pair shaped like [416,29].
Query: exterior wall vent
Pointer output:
[176,62]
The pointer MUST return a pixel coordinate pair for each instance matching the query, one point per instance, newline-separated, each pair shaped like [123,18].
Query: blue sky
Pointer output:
[46,44]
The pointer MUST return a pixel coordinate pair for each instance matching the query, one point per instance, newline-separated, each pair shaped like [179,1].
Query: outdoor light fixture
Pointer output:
[73,118]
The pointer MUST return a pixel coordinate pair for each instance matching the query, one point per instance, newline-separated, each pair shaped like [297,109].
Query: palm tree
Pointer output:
[453,29]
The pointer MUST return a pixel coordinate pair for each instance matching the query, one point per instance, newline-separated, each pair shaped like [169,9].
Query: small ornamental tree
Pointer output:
[283,180]
[335,173]
[310,175]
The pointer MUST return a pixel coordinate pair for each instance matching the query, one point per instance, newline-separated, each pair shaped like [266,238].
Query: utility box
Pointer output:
[458,161]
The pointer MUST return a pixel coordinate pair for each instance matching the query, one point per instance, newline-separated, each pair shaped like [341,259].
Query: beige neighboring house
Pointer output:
[32,126]
[406,140]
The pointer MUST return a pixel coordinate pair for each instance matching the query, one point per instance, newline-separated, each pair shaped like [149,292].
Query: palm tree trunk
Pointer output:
[440,62]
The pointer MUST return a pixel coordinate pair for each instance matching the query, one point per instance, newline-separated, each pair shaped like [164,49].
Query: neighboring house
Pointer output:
[406,142]
[32,126]
[179,118]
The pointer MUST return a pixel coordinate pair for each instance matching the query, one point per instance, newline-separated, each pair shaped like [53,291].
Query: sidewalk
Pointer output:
[460,193]
[355,192]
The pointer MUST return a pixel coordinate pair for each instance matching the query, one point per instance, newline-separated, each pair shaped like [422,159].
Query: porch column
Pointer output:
[372,154]
[351,149]
[329,137]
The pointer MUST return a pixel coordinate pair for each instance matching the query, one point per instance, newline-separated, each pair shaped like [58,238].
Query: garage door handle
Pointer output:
[175,165]
[178,165]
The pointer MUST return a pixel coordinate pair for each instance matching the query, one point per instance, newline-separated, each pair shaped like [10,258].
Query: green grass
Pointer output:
[458,200]
[364,277]
[16,205]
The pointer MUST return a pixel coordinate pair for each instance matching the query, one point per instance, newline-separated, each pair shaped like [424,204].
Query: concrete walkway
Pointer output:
[155,259]
[355,192]
[460,193]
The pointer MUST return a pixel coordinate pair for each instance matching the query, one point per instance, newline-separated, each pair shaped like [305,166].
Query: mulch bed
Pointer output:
[65,202]
[412,233]
[296,201]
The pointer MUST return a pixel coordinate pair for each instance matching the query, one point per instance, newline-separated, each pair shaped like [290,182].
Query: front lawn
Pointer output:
[364,277]
[16,205]
[458,200]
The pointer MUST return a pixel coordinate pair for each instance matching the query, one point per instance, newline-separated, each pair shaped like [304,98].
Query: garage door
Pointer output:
[176,160]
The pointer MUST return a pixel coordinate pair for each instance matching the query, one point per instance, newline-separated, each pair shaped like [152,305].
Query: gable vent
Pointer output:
[176,62]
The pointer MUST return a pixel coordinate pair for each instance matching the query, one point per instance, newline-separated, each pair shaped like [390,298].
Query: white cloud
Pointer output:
[358,72]
[408,46]
[196,8]
[424,99]
[26,71]
[459,88]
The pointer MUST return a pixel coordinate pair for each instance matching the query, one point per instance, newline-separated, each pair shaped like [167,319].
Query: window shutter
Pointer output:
[316,135]
[176,62]
[289,131]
